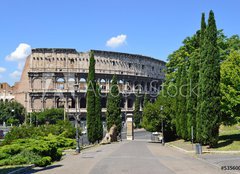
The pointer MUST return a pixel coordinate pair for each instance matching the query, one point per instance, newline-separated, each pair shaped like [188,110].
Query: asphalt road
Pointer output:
[131,157]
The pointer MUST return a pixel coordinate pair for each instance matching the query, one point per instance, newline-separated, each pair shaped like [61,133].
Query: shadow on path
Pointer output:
[35,170]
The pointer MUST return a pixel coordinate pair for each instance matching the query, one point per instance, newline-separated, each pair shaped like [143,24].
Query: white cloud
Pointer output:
[2,69]
[117,41]
[22,51]
[15,74]
[20,65]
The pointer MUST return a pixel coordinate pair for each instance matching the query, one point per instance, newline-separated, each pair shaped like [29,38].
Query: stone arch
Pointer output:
[104,102]
[83,84]
[83,103]
[37,83]
[129,86]
[71,102]
[60,82]
[49,83]
[37,103]
[48,103]
[130,103]
[71,82]
[121,85]
[122,103]
[137,86]
[142,86]
[60,103]
[103,84]
[148,86]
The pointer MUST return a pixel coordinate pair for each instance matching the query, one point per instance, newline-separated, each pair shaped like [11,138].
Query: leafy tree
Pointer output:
[153,117]
[210,84]
[151,120]
[113,114]
[137,116]
[12,112]
[230,88]
[48,116]
[91,101]
[98,115]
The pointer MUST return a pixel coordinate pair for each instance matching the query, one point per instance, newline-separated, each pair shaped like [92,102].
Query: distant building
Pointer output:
[49,76]
[6,92]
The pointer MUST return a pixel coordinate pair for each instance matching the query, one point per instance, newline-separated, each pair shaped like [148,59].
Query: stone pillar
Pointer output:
[130,133]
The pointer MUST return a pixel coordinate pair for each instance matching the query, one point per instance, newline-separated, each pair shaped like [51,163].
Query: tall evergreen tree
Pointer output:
[137,116]
[178,102]
[145,99]
[98,115]
[182,103]
[113,113]
[91,100]
[210,82]
[199,123]
[192,92]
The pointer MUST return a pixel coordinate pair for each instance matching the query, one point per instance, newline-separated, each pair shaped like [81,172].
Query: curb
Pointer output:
[204,151]
[203,160]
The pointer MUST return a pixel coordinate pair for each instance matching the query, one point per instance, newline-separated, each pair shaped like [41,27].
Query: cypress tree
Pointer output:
[193,79]
[137,113]
[91,100]
[98,115]
[178,102]
[200,81]
[182,104]
[210,82]
[113,113]
[145,100]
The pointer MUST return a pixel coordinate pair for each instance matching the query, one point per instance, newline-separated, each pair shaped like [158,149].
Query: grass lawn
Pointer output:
[229,140]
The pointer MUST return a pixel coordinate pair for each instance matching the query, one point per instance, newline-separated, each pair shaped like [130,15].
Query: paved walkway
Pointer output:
[130,157]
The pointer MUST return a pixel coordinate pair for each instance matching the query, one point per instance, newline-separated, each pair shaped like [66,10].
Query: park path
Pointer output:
[130,157]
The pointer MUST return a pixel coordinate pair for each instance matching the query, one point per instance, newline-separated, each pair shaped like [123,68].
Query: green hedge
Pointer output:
[63,128]
[40,152]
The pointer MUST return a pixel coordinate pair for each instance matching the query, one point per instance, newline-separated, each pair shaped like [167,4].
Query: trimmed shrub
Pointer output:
[43,161]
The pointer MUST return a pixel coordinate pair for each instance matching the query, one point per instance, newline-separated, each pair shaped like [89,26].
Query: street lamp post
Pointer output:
[76,86]
[161,108]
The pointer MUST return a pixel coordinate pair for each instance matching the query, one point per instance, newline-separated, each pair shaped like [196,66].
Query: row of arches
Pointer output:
[68,83]
[38,103]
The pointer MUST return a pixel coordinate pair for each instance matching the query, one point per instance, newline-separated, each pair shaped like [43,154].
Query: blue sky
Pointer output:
[149,27]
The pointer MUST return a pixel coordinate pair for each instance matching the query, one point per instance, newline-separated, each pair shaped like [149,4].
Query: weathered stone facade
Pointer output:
[6,92]
[49,76]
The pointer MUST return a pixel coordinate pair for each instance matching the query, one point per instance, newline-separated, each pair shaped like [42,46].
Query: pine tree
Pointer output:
[91,100]
[199,123]
[210,82]
[98,115]
[137,114]
[113,113]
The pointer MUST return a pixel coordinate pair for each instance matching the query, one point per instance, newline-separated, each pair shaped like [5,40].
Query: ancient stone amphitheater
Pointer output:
[50,74]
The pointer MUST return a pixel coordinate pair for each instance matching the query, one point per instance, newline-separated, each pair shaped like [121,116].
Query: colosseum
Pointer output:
[50,74]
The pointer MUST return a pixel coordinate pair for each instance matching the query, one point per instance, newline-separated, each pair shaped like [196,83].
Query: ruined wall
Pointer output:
[49,76]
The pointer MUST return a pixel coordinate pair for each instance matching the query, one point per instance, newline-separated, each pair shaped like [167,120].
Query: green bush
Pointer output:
[44,161]
[63,128]
[40,151]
